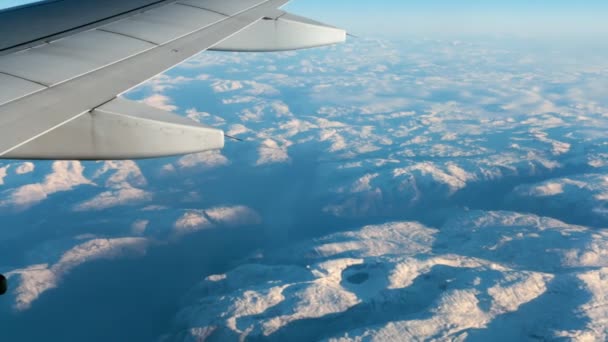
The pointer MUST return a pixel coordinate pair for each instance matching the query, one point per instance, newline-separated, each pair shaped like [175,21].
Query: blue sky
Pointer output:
[396,18]
[464,17]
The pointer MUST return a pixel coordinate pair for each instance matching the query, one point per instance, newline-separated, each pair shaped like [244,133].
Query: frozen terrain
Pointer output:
[499,275]
[412,190]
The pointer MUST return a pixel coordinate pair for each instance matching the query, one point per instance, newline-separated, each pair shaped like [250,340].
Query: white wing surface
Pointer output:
[63,64]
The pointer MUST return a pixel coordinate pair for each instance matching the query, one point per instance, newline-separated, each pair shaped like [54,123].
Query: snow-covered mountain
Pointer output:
[488,161]
[483,275]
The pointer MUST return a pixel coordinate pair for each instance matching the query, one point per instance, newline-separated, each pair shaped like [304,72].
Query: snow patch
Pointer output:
[24,168]
[65,176]
[37,279]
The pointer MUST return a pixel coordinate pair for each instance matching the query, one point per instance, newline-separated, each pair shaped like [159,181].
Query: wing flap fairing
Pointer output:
[122,129]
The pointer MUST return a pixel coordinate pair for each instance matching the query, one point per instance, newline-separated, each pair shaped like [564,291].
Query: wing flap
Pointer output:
[281,31]
[70,57]
[162,25]
[122,129]
[30,25]
[13,88]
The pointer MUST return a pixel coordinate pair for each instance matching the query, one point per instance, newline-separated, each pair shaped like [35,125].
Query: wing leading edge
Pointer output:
[58,100]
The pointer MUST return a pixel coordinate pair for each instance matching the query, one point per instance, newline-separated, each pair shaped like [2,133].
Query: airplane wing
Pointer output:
[65,63]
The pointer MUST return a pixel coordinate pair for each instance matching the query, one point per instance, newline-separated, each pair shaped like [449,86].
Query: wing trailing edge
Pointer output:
[122,129]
